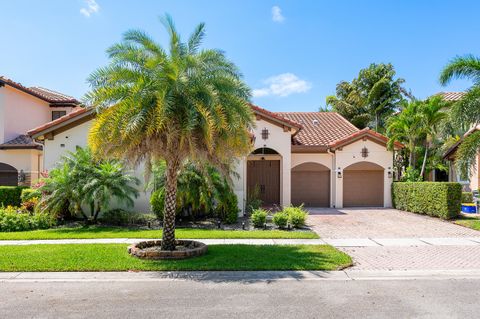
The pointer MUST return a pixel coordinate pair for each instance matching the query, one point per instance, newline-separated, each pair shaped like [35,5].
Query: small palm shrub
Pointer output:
[259,217]
[297,216]
[280,219]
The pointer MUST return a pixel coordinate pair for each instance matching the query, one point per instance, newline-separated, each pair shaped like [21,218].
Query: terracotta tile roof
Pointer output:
[50,96]
[319,128]
[452,96]
[78,112]
[277,116]
[20,142]
[366,132]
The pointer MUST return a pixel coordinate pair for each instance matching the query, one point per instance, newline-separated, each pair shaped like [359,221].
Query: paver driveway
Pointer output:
[378,224]
[381,223]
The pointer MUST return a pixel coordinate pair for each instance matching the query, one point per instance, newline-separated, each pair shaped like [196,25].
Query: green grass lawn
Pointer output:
[114,257]
[119,232]
[470,222]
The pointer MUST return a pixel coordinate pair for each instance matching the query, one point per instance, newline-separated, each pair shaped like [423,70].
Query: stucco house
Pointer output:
[473,181]
[21,108]
[315,158]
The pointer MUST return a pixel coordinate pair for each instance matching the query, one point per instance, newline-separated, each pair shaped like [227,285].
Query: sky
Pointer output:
[291,53]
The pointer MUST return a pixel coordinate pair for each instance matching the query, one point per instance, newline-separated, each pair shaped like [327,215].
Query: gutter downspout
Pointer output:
[333,186]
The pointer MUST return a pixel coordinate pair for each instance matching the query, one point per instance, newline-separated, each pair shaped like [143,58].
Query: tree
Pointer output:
[169,104]
[371,98]
[467,110]
[109,180]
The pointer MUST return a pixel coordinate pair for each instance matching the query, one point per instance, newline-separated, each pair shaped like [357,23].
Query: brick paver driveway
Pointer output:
[391,223]
[381,223]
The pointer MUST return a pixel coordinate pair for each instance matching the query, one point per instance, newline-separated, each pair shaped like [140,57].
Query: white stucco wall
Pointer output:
[351,154]
[78,136]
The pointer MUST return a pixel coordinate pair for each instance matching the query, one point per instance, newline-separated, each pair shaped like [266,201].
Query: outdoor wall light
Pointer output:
[390,174]
[339,172]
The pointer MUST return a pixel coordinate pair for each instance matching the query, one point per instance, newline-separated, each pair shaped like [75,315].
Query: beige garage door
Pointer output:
[311,185]
[363,185]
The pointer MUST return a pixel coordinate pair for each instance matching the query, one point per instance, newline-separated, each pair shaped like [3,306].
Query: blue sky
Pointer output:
[292,53]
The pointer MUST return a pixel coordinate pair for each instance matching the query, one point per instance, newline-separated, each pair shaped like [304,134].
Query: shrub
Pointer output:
[259,217]
[467,197]
[297,216]
[227,210]
[120,217]
[281,219]
[253,200]
[29,193]
[12,219]
[431,198]
[11,195]
[30,204]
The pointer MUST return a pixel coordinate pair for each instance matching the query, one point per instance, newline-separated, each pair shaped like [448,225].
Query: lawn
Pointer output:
[114,257]
[470,222]
[181,233]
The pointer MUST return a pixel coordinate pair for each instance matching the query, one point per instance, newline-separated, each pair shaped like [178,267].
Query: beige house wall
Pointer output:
[30,161]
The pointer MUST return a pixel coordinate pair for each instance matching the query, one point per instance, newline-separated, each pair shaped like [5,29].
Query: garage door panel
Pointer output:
[311,188]
[363,188]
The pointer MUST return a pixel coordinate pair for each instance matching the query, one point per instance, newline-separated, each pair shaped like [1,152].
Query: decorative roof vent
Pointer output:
[315,122]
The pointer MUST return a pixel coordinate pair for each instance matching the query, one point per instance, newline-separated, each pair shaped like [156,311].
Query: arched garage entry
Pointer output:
[311,185]
[8,175]
[363,185]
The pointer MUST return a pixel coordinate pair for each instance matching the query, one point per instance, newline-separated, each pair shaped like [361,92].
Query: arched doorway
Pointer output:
[263,176]
[363,185]
[311,185]
[8,175]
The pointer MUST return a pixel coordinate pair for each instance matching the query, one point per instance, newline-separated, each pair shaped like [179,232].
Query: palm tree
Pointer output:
[467,110]
[431,116]
[406,127]
[169,104]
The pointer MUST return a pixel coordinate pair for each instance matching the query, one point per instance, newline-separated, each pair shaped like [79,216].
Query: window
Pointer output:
[58,114]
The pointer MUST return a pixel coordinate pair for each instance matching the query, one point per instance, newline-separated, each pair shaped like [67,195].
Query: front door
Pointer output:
[263,181]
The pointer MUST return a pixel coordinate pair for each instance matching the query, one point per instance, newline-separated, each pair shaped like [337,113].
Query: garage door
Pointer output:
[8,175]
[311,185]
[363,185]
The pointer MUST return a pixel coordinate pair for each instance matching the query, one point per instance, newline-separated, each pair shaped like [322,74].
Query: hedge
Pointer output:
[11,195]
[430,198]
[467,197]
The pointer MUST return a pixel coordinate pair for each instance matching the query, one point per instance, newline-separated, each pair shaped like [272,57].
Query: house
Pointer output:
[473,182]
[21,108]
[315,158]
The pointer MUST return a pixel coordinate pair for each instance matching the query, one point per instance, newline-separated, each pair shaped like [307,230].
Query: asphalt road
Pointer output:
[407,298]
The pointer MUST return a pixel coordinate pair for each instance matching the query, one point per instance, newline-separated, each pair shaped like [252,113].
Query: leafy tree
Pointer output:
[169,104]
[465,112]
[371,98]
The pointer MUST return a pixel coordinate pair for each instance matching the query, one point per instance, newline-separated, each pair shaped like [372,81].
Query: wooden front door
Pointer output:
[264,175]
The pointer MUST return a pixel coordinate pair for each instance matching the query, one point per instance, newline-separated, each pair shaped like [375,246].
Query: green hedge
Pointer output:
[11,195]
[431,198]
[467,197]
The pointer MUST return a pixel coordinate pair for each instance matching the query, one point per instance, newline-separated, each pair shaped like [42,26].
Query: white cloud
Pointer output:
[277,14]
[91,8]
[283,85]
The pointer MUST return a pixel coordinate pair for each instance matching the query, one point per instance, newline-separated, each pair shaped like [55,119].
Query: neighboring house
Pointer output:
[318,159]
[22,108]
[473,182]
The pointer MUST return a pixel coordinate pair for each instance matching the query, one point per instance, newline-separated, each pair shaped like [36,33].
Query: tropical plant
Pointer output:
[259,217]
[169,104]
[371,98]
[466,112]
[297,216]
[108,181]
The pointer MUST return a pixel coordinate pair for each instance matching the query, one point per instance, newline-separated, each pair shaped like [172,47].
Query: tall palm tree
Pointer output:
[171,104]
[467,110]
[432,115]
[406,127]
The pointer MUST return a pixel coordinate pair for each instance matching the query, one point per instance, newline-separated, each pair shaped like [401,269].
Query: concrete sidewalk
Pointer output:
[336,242]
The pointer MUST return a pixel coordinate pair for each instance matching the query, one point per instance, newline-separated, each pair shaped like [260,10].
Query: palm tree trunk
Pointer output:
[170,207]
[411,159]
[97,212]
[424,161]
